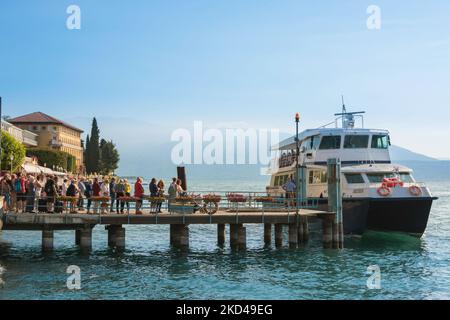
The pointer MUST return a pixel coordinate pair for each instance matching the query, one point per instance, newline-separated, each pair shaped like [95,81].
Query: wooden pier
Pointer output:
[296,221]
[83,224]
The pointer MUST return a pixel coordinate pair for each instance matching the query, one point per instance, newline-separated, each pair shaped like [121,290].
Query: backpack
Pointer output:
[18,186]
[71,190]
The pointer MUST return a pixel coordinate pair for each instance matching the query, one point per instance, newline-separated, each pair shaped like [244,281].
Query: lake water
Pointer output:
[149,269]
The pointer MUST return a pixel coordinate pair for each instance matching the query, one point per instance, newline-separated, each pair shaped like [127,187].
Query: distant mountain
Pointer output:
[402,154]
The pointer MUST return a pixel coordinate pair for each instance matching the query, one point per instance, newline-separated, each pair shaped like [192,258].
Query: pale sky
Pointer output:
[146,68]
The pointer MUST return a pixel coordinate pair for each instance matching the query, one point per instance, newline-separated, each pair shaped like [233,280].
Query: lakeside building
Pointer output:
[53,133]
[28,138]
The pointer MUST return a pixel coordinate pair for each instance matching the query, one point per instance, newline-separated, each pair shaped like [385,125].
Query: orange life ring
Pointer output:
[415,191]
[384,191]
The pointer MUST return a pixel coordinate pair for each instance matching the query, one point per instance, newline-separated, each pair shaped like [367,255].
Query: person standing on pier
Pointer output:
[19,188]
[160,194]
[180,191]
[112,194]
[30,195]
[82,192]
[105,192]
[120,192]
[290,189]
[6,192]
[172,192]
[88,194]
[138,194]
[127,187]
[153,193]
[50,193]
[96,193]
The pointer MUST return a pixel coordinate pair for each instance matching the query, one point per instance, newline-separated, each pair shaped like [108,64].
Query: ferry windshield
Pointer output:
[330,142]
[380,142]
[356,142]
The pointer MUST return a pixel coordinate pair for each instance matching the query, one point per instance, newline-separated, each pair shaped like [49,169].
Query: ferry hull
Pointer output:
[354,214]
[409,215]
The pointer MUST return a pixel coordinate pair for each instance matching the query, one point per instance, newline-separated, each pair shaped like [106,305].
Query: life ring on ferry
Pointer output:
[415,190]
[384,191]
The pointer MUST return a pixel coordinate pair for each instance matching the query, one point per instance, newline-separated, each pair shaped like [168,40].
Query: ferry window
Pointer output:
[380,142]
[356,142]
[277,181]
[316,177]
[405,177]
[378,177]
[330,142]
[311,143]
[354,178]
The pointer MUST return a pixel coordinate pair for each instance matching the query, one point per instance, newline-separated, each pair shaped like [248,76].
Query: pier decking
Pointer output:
[179,223]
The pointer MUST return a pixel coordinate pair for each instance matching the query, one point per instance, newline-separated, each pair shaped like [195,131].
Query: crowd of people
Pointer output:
[47,193]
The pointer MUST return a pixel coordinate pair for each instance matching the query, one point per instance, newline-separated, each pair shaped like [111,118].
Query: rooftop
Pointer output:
[40,117]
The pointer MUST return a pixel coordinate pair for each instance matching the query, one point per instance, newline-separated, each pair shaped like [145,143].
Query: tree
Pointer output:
[11,146]
[85,152]
[50,157]
[93,149]
[109,157]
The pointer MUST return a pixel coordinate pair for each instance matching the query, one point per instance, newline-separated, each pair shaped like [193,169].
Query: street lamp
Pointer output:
[297,184]
[11,157]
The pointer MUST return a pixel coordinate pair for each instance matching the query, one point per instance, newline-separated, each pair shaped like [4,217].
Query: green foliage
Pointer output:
[11,146]
[50,157]
[109,157]
[92,160]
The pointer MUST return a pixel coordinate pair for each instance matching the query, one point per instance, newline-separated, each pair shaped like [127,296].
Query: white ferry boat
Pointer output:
[376,194]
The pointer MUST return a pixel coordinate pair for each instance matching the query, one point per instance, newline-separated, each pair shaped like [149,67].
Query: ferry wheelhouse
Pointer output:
[376,194]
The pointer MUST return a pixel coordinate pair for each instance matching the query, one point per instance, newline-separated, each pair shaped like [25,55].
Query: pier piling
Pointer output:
[305,227]
[278,235]
[267,234]
[77,237]
[221,234]
[335,202]
[47,240]
[120,237]
[327,228]
[179,234]
[86,238]
[242,237]
[293,235]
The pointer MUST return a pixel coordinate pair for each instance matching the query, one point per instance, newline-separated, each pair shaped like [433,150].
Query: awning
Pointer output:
[45,170]
[31,168]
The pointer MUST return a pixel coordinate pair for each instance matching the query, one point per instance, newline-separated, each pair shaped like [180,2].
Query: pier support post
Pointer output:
[242,237]
[335,202]
[234,235]
[278,235]
[119,237]
[300,232]
[47,240]
[335,235]
[293,236]
[86,238]
[305,227]
[221,234]
[327,229]
[180,235]
[111,236]
[267,234]
[77,237]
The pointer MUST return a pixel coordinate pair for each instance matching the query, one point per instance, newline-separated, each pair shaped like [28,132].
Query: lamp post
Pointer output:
[297,184]
[11,157]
